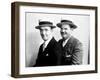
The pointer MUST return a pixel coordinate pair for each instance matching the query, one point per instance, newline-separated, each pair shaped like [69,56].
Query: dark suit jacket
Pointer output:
[50,56]
[72,52]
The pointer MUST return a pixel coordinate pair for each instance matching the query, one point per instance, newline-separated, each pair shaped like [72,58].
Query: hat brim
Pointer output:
[71,25]
[38,27]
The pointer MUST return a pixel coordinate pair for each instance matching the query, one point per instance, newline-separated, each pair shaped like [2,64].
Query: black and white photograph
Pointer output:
[53,39]
[66,37]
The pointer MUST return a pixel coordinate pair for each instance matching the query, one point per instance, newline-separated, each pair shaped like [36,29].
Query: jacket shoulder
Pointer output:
[60,41]
[75,41]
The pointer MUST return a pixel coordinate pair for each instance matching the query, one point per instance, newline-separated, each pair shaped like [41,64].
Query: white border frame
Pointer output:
[53,69]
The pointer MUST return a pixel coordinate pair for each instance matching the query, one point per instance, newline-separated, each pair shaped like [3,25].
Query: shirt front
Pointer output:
[64,42]
[46,43]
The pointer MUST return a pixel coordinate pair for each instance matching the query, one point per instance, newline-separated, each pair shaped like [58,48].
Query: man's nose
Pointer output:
[43,32]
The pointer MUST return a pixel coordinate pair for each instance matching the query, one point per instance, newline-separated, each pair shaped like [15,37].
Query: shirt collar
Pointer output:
[47,42]
[64,42]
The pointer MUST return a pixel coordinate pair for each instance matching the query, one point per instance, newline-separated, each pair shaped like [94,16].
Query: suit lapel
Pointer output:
[49,44]
[69,43]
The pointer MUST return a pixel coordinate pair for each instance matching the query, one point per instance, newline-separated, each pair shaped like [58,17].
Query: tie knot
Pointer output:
[44,43]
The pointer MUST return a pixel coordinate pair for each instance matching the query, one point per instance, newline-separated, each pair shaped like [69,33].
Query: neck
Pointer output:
[64,39]
[48,39]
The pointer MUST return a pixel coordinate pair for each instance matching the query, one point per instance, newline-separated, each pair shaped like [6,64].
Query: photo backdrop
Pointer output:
[33,39]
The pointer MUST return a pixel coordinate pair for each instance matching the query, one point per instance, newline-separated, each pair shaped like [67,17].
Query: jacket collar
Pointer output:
[51,42]
[69,42]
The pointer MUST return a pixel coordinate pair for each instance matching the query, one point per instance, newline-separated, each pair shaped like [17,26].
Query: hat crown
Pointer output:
[68,21]
[45,22]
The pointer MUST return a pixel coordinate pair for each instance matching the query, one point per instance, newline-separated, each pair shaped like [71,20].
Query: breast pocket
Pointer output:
[47,54]
[68,53]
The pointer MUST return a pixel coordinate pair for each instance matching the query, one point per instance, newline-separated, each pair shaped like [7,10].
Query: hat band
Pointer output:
[66,23]
[46,25]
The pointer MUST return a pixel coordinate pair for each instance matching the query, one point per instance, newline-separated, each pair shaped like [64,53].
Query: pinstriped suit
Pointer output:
[72,52]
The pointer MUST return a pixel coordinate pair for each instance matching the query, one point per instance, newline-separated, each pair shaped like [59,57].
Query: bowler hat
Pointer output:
[45,24]
[64,22]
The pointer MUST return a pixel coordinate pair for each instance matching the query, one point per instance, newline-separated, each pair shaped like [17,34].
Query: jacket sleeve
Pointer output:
[77,53]
[38,57]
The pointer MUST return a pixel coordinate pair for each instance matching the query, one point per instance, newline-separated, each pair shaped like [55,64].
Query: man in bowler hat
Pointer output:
[48,54]
[71,48]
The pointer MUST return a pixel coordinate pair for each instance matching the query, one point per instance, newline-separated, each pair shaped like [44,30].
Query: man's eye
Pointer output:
[46,30]
[65,28]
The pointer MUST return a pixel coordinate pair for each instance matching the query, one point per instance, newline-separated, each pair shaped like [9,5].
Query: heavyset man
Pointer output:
[71,48]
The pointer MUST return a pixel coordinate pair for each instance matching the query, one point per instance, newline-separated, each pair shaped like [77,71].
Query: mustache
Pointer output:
[63,32]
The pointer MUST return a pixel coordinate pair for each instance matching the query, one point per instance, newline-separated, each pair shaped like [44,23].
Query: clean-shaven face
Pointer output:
[65,31]
[46,33]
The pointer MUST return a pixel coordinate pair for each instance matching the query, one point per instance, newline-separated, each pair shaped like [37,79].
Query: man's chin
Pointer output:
[45,39]
[64,38]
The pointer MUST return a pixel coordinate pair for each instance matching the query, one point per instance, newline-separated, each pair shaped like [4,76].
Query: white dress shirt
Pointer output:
[46,43]
[65,42]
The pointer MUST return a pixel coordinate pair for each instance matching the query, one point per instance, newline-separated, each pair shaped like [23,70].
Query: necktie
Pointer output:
[44,46]
[63,44]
